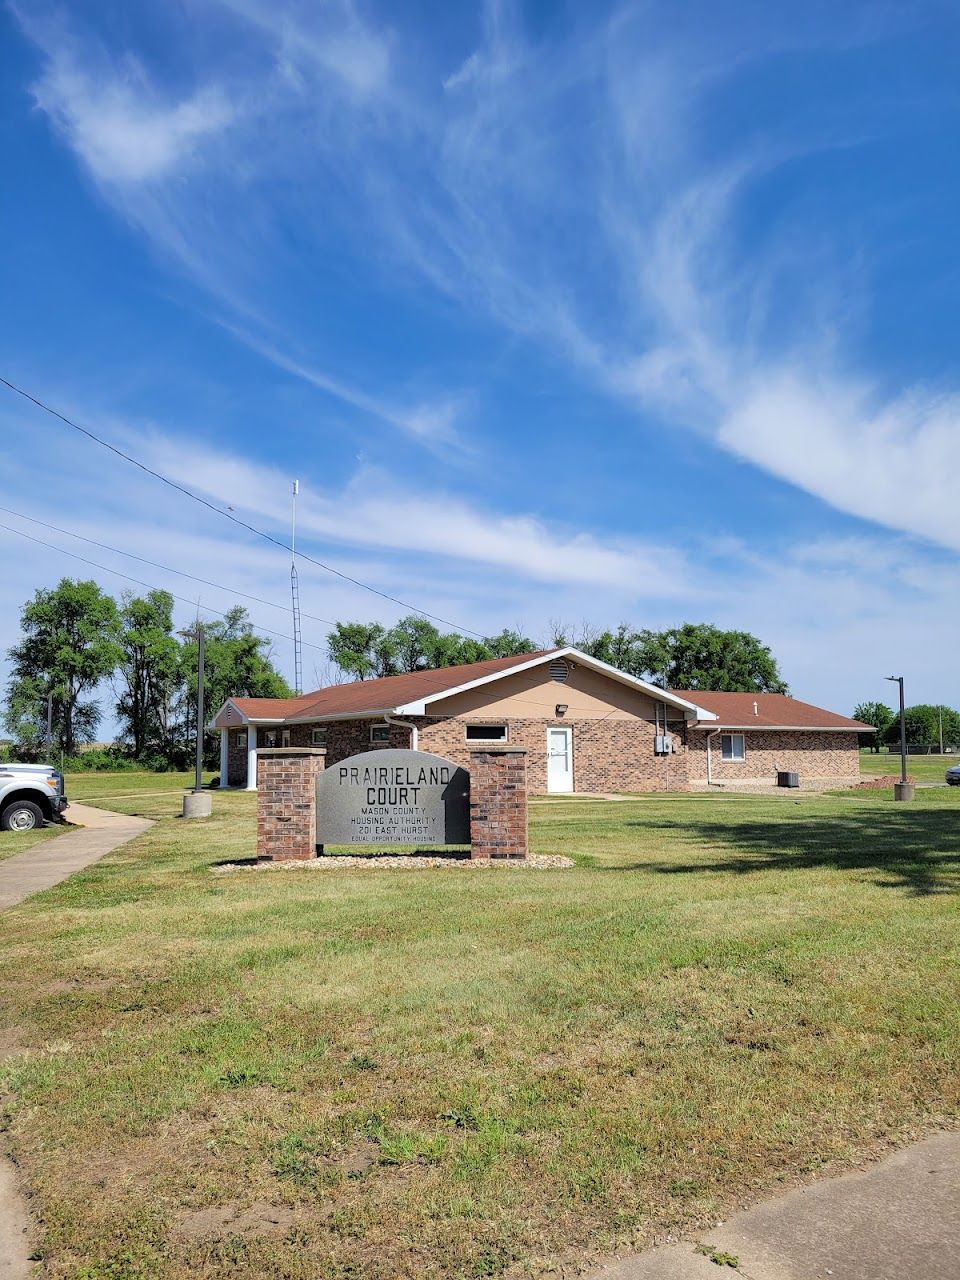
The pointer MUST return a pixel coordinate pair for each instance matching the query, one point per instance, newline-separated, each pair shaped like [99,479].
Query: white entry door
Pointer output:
[559,760]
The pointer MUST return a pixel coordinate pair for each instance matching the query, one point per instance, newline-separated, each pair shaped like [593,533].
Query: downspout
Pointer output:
[405,724]
[710,735]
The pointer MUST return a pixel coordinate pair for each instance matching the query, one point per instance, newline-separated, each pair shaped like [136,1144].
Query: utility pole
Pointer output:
[940,717]
[903,790]
[49,726]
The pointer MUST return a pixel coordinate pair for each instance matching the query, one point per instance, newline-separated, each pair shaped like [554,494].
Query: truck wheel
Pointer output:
[21,815]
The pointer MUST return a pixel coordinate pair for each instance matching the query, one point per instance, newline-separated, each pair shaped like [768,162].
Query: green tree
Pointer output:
[368,650]
[508,643]
[699,656]
[880,716]
[416,644]
[622,648]
[362,650]
[237,664]
[70,643]
[923,726]
[149,671]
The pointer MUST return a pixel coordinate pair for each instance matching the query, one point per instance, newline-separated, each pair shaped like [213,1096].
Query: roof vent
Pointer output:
[559,670]
[755,711]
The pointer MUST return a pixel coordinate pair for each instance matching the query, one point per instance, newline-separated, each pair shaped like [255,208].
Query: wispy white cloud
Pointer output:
[154,157]
[331,36]
[431,422]
[109,111]
[374,510]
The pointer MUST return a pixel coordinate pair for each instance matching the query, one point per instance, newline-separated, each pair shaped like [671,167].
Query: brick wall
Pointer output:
[608,755]
[347,738]
[816,756]
[286,802]
[498,803]
[237,758]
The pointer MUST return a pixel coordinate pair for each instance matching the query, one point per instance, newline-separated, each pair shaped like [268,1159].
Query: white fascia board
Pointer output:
[229,703]
[342,715]
[786,728]
[244,718]
[419,708]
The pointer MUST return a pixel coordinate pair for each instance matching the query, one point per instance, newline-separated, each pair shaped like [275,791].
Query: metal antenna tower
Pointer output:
[295,598]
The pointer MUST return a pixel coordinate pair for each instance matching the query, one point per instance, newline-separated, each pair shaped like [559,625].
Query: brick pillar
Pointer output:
[287,802]
[498,803]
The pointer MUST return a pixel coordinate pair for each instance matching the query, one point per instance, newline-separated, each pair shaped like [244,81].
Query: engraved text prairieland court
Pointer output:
[393,797]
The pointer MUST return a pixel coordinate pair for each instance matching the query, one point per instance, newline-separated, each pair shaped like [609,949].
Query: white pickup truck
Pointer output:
[30,795]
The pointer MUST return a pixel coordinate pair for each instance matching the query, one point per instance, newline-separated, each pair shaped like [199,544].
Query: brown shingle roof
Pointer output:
[774,711]
[273,708]
[368,697]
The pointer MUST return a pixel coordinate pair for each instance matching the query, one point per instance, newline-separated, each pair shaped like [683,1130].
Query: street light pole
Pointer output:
[198,803]
[904,790]
[198,780]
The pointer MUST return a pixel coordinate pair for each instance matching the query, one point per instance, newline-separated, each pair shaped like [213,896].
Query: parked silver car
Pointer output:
[30,795]
[953,776]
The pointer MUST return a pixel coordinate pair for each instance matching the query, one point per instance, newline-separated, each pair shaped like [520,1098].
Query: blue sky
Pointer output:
[571,313]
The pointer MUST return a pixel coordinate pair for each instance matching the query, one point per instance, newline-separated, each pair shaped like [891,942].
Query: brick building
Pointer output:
[586,726]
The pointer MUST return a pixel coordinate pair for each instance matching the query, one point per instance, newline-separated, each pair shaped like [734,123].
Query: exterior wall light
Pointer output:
[561,709]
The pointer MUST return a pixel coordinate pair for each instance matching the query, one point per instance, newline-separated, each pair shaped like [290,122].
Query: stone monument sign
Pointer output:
[393,797]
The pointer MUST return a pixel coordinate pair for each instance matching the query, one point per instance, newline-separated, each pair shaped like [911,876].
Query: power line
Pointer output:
[140,583]
[155,564]
[260,533]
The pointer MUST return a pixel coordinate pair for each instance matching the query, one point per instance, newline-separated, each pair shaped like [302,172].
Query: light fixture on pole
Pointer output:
[903,790]
[198,803]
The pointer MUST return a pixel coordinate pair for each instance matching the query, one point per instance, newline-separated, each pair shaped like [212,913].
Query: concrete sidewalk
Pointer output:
[47,864]
[899,1220]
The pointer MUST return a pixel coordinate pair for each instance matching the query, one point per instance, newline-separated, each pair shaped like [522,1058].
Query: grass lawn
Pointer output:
[469,1073]
[923,768]
[92,787]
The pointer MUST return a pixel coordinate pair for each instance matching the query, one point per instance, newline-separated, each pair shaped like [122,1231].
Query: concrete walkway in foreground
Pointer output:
[47,864]
[899,1220]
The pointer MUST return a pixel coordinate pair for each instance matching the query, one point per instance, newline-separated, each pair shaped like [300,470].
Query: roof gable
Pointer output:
[411,693]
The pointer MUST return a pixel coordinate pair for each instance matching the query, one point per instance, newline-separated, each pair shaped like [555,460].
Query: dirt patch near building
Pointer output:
[257,1219]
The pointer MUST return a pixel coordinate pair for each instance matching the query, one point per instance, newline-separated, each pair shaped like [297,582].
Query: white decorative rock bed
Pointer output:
[402,861]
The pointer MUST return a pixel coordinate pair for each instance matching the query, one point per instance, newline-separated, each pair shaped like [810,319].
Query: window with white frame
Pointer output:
[379,733]
[242,739]
[276,738]
[731,746]
[318,737]
[486,733]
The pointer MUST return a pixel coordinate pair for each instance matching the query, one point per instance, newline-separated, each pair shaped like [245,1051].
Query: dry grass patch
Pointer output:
[474,1075]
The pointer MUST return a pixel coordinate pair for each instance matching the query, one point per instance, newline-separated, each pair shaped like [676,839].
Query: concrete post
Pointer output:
[287,802]
[251,758]
[498,803]
[224,758]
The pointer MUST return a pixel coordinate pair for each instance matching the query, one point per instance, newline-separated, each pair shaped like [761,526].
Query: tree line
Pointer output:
[77,639]
[927,725]
[693,656]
